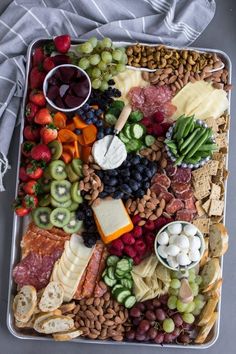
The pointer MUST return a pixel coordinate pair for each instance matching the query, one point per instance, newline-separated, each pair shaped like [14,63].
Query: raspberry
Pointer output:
[130,251]
[140,247]
[118,244]
[137,260]
[137,231]
[136,218]
[115,251]
[150,130]
[158,130]
[158,117]
[146,121]
[149,239]
[150,225]
[160,222]
[128,239]
[165,127]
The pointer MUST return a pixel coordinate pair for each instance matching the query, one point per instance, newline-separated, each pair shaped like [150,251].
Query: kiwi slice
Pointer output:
[60,217]
[57,204]
[75,193]
[74,206]
[41,217]
[45,200]
[57,170]
[73,177]
[73,225]
[60,190]
[77,166]
[56,149]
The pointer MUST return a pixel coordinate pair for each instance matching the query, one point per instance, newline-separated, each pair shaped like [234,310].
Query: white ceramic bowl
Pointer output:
[45,88]
[192,264]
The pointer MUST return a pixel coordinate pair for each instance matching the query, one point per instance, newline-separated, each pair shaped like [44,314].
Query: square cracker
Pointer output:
[206,205]
[201,193]
[202,224]
[213,167]
[221,120]
[212,123]
[200,210]
[215,191]
[216,207]
[221,140]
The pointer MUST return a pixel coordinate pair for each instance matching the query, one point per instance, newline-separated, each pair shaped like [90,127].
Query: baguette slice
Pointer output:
[207,311]
[67,307]
[205,254]
[24,303]
[52,297]
[205,330]
[39,318]
[56,324]
[214,292]
[210,273]
[218,240]
[28,324]
[64,336]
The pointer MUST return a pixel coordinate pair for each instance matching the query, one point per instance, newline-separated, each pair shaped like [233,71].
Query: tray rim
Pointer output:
[16,220]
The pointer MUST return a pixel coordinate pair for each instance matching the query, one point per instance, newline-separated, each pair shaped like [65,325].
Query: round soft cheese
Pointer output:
[163,238]
[112,158]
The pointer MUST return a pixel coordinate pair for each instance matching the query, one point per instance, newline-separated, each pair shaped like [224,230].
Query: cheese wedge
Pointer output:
[112,219]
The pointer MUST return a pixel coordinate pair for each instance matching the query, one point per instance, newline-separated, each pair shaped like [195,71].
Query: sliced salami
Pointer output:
[184,215]
[171,170]
[156,188]
[167,196]
[190,204]
[180,187]
[185,195]
[161,179]
[183,175]
[174,205]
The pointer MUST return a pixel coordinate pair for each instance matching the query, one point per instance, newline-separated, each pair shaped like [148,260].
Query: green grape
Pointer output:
[188,318]
[117,54]
[89,71]
[93,41]
[171,303]
[113,70]
[84,63]
[175,283]
[120,68]
[199,304]
[106,57]
[106,43]
[96,73]
[200,297]
[122,49]
[173,291]
[198,279]
[124,59]
[104,86]
[86,48]
[190,308]
[94,59]
[102,66]
[195,288]
[196,312]
[78,48]
[191,277]
[107,76]
[181,306]
[168,325]
[96,83]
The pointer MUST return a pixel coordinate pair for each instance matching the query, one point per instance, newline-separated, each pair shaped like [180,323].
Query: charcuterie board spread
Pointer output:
[122,183]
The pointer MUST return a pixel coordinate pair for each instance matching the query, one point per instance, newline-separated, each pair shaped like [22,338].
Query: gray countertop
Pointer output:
[219,34]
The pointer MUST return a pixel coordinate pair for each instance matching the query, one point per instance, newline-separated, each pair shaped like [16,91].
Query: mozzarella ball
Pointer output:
[172,250]
[162,251]
[172,262]
[182,242]
[175,228]
[172,239]
[190,230]
[194,243]
[163,238]
[183,259]
[194,255]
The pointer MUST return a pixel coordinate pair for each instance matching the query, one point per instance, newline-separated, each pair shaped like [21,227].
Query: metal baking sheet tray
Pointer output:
[19,225]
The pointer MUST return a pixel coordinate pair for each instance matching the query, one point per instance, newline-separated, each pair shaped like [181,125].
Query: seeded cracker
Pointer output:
[216,208]
[221,120]
[200,210]
[206,205]
[215,191]
[212,123]
[202,224]
[221,140]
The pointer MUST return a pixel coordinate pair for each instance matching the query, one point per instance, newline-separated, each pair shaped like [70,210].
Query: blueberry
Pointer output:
[106,178]
[89,121]
[78,131]
[137,176]
[144,161]
[99,173]
[135,160]
[118,195]
[141,192]
[112,182]
[99,123]
[90,114]
[94,120]
[125,188]
[98,112]
[100,135]
[111,82]
[103,194]
[80,111]
[80,215]
[140,168]
[112,172]
[86,106]
[125,173]
[146,185]
[148,172]
[89,212]
[109,130]
[133,185]
[109,189]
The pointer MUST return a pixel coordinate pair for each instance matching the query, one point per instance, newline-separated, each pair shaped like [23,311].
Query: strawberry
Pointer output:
[128,239]
[43,116]
[31,187]
[62,43]
[38,56]
[30,201]
[37,97]
[36,78]
[21,211]
[48,133]
[41,152]
[34,171]
[48,64]
[23,175]
[130,251]
[117,244]
[137,231]
[26,148]
[31,133]
[30,110]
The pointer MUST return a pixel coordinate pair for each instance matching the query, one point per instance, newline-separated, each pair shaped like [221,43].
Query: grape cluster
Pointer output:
[90,234]
[153,321]
[101,60]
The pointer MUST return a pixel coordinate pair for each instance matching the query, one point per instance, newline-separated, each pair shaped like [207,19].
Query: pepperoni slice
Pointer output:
[162,180]
[185,195]
[190,204]
[171,170]
[174,205]
[157,188]
[182,175]
[180,187]
[184,215]
[167,196]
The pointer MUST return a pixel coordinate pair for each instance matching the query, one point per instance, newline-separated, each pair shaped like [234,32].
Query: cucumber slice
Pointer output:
[128,276]
[109,282]
[129,301]
[137,130]
[117,286]
[112,260]
[123,138]
[121,294]
[127,283]
[123,265]
[149,140]
[111,272]
[118,104]
[110,118]
[135,116]
[134,145]
[127,131]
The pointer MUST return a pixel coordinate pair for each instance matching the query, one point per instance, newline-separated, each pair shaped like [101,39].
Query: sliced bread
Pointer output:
[205,330]
[207,311]
[24,303]
[28,324]
[214,291]
[54,324]
[218,240]
[210,273]
[39,320]
[52,297]
[67,307]
[64,336]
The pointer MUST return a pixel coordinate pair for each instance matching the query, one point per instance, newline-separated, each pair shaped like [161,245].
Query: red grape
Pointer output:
[137,320]
[184,338]
[160,314]
[130,335]
[156,302]
[140,306]
[159,338]
[164,298]
[143,326]
[176,332]
[177,318]
[168,338]
[150,315]
[149,305]
[140,337]
[152,333]
[135,312]
[187,326]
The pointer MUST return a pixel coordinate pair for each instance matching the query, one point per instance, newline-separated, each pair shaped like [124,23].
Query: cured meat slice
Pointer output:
[35,269]
[184,215]
[174,205]
[182,175]
[171,170]
[168,109]
[190,204]
[156,188]
[180,187]
[99,290]
[185,195]
[167,196]
[78,294]
[161,179]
